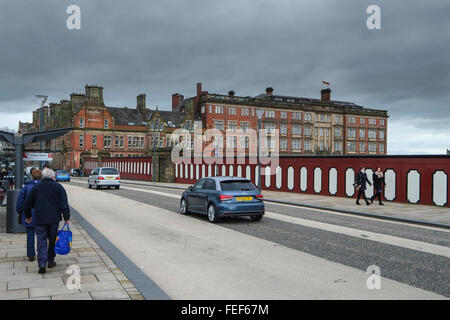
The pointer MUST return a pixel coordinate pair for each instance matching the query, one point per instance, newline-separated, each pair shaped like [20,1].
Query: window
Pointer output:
[337,132]
[321,145]
[297,115]
[245,142]
[218,124]
[381,134]
[94,140]
[351,132]
[270,114]
[231,110]
[326,132]
[232,125]
[321,132]
[219,109]
[283,129]
[362,120]
[210,108]
[307,145]
[308,116]
[372,134]
[337,146]
[245,112]
[297,129]
[351,146]
[316,131]
[337,119]
[118,142]
[327,118]
[381,122]
[296,144]
[106,124]
[283,115]
[81,141]
[372,121]
[107,142]
[203,109]
[81,122]
[322,118]
[270,127]
[351,120]
[307,132]
[237,185]
[362,133]
[283,143]
[210,184]
[381,147]
[362,147]
[372,147]
[244,126]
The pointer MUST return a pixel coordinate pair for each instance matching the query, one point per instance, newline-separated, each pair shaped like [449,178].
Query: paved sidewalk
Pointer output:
[431,214]
[101,279]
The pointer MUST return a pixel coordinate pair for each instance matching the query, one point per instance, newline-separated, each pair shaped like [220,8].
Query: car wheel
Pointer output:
[97,187]
[212,213]
[117,187]
[256,218]
[184,206]
[89,185]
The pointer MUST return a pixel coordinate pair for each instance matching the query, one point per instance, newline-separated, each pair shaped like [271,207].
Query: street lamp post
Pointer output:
[259,114]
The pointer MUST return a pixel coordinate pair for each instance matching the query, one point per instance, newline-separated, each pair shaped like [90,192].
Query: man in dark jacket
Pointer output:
[49,200]
[361,181]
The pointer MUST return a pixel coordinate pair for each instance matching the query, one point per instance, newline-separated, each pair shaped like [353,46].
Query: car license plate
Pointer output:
[244,198]
[109,177]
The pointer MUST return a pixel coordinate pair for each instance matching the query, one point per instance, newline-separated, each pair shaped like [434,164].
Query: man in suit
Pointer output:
[49,200]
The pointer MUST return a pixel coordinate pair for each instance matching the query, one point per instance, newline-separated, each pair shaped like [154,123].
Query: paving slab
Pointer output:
[37,283]
[14,294]
[75,296]
[109,294]
[51,291]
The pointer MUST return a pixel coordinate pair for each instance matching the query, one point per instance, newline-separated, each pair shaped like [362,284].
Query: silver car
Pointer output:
[104,177]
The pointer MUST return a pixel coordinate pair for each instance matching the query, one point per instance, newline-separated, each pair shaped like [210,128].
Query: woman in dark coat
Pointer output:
[361,181]
[378,183]
[26,190]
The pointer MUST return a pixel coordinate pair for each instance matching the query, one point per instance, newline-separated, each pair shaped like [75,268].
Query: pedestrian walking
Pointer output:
[49,199]
[378,184]
[361,184]
[26,190]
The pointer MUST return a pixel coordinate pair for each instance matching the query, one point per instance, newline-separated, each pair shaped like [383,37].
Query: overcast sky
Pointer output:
[161,47]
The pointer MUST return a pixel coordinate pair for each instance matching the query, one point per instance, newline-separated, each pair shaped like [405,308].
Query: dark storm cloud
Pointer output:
[162,47]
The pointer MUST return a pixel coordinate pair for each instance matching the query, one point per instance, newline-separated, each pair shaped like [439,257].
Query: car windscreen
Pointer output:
[61,172]
[237,185]
[110,171]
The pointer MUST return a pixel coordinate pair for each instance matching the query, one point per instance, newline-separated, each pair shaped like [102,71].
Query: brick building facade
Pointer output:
[306,126]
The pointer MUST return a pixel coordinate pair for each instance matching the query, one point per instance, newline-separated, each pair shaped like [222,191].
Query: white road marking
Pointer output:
[363,234]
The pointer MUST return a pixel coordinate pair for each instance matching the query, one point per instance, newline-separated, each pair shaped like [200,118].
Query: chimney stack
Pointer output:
[141,104]
[269,91]
[325,95]
[231,93]
[177,101]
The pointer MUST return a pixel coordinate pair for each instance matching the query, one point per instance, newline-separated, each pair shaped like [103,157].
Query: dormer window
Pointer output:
[81,122]
[106,124]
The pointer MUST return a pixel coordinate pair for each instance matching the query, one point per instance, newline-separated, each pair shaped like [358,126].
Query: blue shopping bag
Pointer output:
[63,241]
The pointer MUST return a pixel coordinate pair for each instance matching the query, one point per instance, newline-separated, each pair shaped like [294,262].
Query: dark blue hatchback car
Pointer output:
[223,197]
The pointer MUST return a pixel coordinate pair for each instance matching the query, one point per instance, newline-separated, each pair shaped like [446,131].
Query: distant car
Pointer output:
[104,177]
[75,172]
[223,197]
[62,175]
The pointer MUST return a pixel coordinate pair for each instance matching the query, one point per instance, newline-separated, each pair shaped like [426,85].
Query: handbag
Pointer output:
[63,242]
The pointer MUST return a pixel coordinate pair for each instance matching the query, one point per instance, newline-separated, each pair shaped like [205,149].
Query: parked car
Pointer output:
[104,177]
[223,197]
[62,175]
